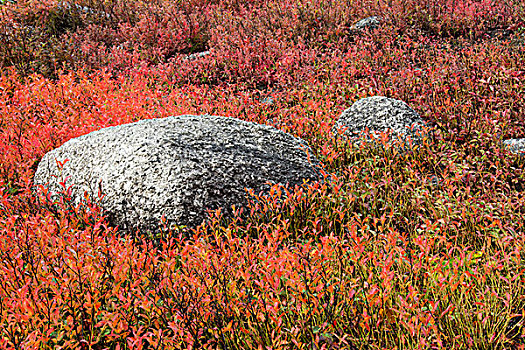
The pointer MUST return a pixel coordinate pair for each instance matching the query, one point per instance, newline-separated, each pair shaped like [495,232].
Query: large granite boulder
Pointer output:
[368,118]
[177,167]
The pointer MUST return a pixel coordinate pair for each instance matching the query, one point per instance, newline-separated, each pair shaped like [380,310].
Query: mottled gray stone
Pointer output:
[376,115]
[516,146]
[267,101]
[68,6]
[196,55]
[177,167]
[366,23]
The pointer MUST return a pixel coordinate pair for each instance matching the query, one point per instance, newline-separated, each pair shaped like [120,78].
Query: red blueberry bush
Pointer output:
[375,258]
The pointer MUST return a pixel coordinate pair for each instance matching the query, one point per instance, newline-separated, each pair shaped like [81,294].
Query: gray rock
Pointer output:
[366,23]
[86,10]
[267,100]
[377,115]
[516,146]
[196,55]
[177,167]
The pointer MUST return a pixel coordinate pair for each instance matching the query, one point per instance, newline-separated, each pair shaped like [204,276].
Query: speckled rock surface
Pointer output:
[177,167]
[515,146]
[379,114]
[366,23]
[196,55]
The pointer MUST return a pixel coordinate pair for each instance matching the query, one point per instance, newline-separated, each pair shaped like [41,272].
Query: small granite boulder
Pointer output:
[176,167]
[366,23]
[69,7]
[196,55]
[516,146]
[378,114]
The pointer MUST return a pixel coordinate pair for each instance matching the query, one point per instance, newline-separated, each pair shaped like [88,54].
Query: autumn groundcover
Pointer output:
[377,258]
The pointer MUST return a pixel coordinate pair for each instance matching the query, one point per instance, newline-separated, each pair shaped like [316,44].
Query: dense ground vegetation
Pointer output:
[377,258]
